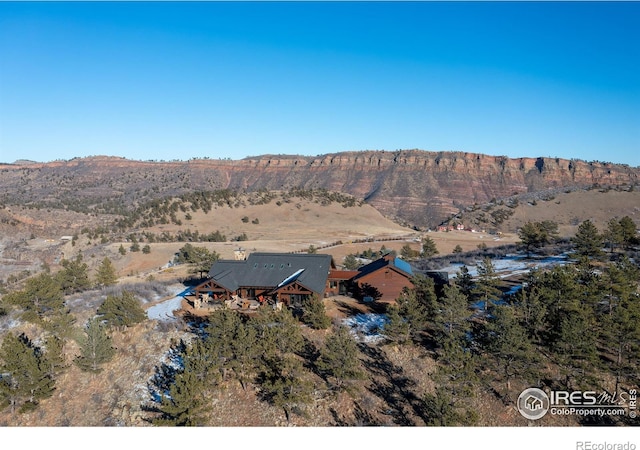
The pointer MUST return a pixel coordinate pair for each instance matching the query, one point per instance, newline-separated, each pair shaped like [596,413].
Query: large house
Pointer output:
[273,277]
[286,278]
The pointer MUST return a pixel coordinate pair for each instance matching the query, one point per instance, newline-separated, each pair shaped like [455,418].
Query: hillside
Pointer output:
[568,209]
[415,187]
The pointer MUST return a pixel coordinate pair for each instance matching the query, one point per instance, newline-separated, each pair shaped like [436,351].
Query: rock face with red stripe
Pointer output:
[415,187]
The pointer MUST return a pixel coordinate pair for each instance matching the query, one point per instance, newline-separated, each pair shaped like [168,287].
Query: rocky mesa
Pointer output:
[416,187]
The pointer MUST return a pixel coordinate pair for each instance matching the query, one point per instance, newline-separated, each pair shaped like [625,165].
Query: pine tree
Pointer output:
[277,332]
[95,347]
[413,311]
[339,358]
[629,231]
[121,311]
[61,323]
[507,341]
[452,317]
[620,329]
[24,380]
[533,311]
[41,297]
[314,313]
[245,354]
[425,291]
[54,361]
[350,262]
[464,281]
[456,377]
[106,275]
[588,241]
[397,327]
[614,235]
[535,235]
[284,384]
[223,324]
[487,282]
[429,247]
[184,404]
[441,411]
[74,277]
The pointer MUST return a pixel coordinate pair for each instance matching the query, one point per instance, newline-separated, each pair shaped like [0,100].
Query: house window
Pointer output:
[333,284]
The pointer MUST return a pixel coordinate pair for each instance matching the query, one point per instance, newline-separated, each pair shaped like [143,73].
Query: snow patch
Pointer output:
[367,327]
[164,311]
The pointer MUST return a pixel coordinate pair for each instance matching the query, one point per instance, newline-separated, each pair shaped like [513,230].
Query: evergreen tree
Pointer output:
[41,297]
[245,354]
[184,404]
[413,312]
[95,347]
[74,277]
[121,311]
[535,235]
[620,331]
[221,331]
[61,323]
[406,252]
[339,358]
[588,241]
[284,384]
[456,376]
[200,258]
[106,275]
[614,235]
[314,313]
[629,231]
[457,249]
[397,327]
[277,332]
[122,250]
[24,381]
[425,291]
[441,411]
[533,311]
[487,282]
[464,281]
[429,247]
[508,342]
[452,317]
[54,361]
[350,262]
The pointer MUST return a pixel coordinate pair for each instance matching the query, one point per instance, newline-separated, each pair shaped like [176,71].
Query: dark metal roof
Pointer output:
[273,270]
[386,261]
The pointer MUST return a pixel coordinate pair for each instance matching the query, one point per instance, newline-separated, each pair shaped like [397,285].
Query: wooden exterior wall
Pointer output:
[388,281]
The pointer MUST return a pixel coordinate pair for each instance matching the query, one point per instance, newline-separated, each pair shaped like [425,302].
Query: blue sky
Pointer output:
[165,80]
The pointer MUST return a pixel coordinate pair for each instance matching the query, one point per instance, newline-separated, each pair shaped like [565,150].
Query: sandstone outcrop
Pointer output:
[416,187]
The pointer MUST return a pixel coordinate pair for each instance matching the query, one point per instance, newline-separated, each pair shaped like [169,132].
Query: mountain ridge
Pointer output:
[415,187]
